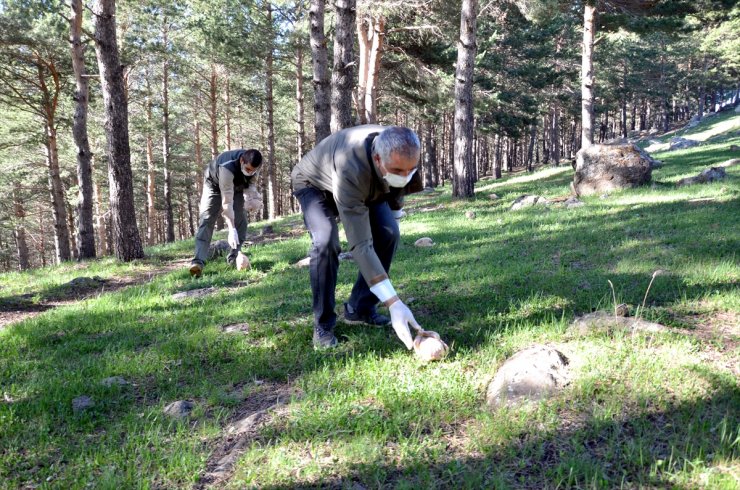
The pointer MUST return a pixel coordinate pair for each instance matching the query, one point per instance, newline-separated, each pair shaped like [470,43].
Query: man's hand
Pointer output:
[398,214]
[401,318]
[233,238]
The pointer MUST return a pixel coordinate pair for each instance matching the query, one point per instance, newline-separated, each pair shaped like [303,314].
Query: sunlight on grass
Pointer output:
[526,178]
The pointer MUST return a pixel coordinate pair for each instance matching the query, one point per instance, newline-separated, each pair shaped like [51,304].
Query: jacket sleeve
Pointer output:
[226,186]
[355,216]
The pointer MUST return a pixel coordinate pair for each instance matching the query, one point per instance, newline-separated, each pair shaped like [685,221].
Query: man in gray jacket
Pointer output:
[225,180]
[358,175]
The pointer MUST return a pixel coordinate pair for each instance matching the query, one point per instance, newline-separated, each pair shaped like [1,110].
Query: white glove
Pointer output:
[401,318]
[398,214]
[233,238]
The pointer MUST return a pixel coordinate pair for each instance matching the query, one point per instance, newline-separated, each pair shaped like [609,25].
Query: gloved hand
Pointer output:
[401,318]
[233,238]
[398,214]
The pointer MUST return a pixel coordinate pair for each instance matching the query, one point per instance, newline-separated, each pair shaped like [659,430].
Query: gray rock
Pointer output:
[86,282]
[236,328]
[114,380]
[734,148]
[605,168]
[470,214]
[179,409]
[193,293]
[574,202]
[424,242]
[527,201]
[218,249]
[493,197]
[305,262]
[679,143]
[605,321]
[82,403]
[529,375]
[711,174]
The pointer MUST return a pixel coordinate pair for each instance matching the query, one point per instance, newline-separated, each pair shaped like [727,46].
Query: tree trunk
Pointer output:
[587,76]
[19,231]
[321,88]
[273,205]
[85,230]
[227,116]
[702,88]
[213,115]
[462,178]
[198,160]
[150,174]
[126,241]
[99,217]
[371,33]
[364,44]
[342,77]
[300,113]
[430,155]
[166,174]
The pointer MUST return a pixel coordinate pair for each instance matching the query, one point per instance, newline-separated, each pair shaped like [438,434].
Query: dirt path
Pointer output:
[22,307]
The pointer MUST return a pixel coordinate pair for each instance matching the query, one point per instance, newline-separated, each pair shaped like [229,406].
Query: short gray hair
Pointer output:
[396,139]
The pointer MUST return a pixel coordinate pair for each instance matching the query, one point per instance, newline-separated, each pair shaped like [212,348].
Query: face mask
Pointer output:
[248,174]
[395,180]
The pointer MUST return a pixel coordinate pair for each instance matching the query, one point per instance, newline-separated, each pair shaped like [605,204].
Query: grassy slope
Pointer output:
[657,410]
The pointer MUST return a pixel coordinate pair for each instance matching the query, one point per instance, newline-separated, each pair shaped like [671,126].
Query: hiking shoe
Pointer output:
[323,338]
[372,317]
[196,270]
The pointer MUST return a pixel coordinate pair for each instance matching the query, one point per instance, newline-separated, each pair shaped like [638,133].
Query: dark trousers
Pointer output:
[320,216]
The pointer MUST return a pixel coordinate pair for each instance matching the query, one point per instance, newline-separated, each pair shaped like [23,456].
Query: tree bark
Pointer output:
[99,217]
[166,174]
[150,173]
[19,231]
[85,229]
[430,155]
[587,76]
[300,112]
[198,160]
[321,87]
[273,207]
[462,178]
[370,33]
[126,240]
[213,115]
[342,78]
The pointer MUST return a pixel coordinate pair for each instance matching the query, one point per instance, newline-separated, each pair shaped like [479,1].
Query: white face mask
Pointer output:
[395,180]
[249,174]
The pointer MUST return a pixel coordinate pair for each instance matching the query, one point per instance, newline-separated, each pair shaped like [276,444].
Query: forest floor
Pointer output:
[85,381]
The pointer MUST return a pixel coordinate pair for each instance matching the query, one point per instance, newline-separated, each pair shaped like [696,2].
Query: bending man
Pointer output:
[359,175]
[225,180]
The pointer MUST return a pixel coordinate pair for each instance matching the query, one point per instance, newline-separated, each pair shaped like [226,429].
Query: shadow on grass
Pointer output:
[639,448]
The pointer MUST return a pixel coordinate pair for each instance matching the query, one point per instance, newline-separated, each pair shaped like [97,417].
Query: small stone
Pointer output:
[470,214]
[622,310]
[574,202]
[114,380]
[179,409]
[236,328]
[242,262]
[527,200]
[424,242]
[218,249]
[82,403]
[493,197]
[428,346]
[303,262]
[267,230]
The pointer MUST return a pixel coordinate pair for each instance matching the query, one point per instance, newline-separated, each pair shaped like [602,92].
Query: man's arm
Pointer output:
[226,186]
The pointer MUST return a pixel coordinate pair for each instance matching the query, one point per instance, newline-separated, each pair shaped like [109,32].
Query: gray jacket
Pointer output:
[342,165]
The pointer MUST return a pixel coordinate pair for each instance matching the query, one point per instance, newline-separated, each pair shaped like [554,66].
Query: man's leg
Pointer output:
[240,221]
[321,220]
[386,237]
[210,207]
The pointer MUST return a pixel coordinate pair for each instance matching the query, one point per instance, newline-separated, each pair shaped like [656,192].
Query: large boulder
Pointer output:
[606,168]
[710,174]
[679,143]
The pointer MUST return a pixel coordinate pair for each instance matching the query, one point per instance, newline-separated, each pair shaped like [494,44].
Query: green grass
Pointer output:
[643,410]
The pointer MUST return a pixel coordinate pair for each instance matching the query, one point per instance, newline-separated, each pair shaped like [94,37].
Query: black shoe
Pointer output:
[370,318]
[323,338]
